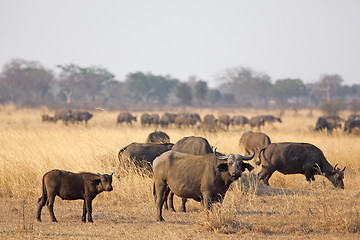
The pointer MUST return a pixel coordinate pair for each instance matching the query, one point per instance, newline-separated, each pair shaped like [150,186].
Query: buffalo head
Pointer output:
[104,182]
[336,177]
[234,164]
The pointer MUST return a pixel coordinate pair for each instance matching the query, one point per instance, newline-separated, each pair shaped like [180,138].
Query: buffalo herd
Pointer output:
[191,167]
[68,116]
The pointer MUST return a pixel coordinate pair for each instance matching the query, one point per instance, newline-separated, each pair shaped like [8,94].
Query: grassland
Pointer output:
[290,208]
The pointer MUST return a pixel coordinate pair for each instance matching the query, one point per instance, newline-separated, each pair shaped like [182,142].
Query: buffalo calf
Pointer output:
[72,186]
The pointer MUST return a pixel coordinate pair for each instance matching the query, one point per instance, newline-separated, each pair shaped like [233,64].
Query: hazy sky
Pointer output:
[282,38]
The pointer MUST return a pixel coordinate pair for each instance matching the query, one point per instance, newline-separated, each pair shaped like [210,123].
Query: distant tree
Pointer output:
[183,92]
[247,85]
[332,107]
[213,96]
[329,83]
[147,88]
[201,90]
[286,89]
[84,84]
[228,97]
[25,82]
[354,106]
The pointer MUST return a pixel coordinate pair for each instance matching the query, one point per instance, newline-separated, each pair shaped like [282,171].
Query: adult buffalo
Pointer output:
[224,120]
[142,154]
[239,120]
[328,123]
[80,117]
[204,178]
[271,119]
[72,186]
[64,115]
[254,141]
[297,158]
[158,137]
[351,124]
[191,145]
[126,117]
[256,121]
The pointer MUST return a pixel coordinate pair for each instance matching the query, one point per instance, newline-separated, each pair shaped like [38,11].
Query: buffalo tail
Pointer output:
[258,162]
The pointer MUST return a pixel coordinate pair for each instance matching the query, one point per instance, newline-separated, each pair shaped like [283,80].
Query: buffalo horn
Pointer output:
[220,157]
[343,169]
[245,158]
[335,166]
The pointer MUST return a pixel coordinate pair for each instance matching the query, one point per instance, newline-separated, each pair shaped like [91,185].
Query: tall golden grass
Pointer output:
[30,148]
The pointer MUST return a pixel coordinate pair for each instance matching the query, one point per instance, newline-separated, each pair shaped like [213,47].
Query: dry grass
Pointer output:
[291,208]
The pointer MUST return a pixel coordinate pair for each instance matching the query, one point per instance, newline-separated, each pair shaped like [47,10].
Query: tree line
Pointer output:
[29,84]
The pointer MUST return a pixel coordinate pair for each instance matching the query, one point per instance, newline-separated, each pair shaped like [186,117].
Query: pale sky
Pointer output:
[282,38]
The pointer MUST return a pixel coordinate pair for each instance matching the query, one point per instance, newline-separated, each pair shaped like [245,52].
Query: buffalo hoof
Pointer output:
[160,219]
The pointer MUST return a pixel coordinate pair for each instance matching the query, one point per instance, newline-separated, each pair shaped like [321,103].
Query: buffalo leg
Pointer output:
[83,217]
[166,194]
[183,207]
[265,174]
[41,205]
[89,209]
[51,199]
[160,198]
[171,201]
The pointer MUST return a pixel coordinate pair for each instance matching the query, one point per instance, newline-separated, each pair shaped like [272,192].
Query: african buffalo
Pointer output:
[350,124]
[256,121]
[126,117]
[190,145]
[193,145]
[239,120]
[158,137]
[254,141]
[64,115]
[47,118]
[79,117]
[142,154]
[204,178]
[328,123]
[224,120]
[72,186]
[271,119]
[297,158]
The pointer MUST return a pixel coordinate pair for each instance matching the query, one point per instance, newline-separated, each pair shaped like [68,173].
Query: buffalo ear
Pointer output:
[223,167]
[246,166]
[96,181]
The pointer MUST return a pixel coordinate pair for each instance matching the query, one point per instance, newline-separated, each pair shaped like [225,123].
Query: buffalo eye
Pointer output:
[96,181]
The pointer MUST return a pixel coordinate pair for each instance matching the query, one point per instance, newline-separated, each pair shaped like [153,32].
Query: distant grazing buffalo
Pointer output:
[126,117]
[224,120]
[297,158]
[64,115]
[256,121]
[72,186]
[80,117]
[328,123]
[239,120]
[351,124]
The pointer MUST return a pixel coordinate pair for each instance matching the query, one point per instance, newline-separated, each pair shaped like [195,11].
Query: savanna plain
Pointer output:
[290,209]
